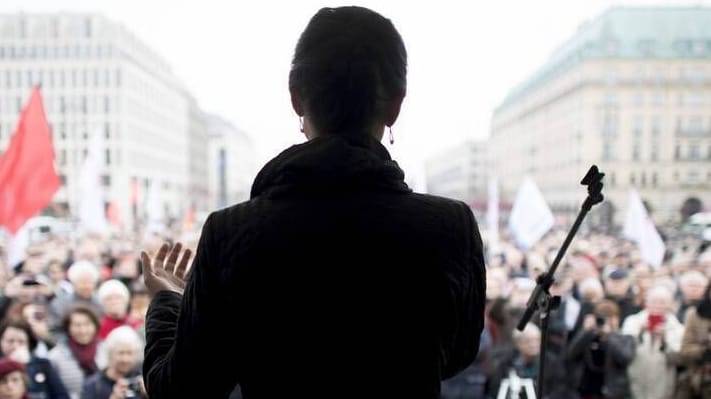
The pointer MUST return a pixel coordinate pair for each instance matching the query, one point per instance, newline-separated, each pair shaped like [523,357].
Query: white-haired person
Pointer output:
[658,334]
[81,354]
[114,298]
[122,377]
[692,286]
[84,277]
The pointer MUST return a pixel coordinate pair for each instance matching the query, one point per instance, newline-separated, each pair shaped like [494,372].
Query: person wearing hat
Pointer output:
[13,380]
[618,289]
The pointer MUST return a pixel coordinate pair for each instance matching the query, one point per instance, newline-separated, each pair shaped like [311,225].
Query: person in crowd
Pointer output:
[523,359]
[17,342]
[80,354]
[330,224]
[658,334]
[618,288]
[84,277]
[692,285]
[470,383]
[36,314]
[13,380]
[57,279]
[599,355]
[643,278]
[114,298]
[695,351]
[590,293]
[122,377]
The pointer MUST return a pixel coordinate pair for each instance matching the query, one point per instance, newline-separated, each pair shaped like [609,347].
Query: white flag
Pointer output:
[530,216]
[92,217]
[492,214]
[155,214]
[17,245]
[640,228]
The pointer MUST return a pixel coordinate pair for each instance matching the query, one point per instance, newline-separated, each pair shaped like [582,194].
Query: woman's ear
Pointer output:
[296,103]
[393,110]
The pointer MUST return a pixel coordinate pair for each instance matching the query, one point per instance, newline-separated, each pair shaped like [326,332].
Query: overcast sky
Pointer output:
[463,57]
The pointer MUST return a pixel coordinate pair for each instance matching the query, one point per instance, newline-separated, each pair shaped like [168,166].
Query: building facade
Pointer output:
[231,163]
[629,92]
[98,78]
[460,173]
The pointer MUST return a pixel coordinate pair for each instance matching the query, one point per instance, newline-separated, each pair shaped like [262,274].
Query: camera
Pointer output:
[134,387]
[600,321]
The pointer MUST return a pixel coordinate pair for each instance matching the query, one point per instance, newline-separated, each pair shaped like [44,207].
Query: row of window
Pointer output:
[65,131]
[688,125]
[105,180]
[78,156]
[61,77]
[60,51]
[693,153]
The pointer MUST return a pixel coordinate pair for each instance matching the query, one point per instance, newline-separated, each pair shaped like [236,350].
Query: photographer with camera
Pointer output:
[695,351]
[658,334]
[600,355]
[122,378]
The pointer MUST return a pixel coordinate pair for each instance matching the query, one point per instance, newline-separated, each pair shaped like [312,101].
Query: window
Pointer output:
[107,130]
[635,151]
[106,180]
[84,106]
[610,121]
[693,177]
[107,156]
[695,125]
[694,151]
[679,124]
[637,125]
[608,151]
[677,152]
[655,126]
[658,97]
[643,180]
[62,157]
[118,78]
[654,154]
[708,155]
[633,180]
[63,179]
[106,104]
[654,179]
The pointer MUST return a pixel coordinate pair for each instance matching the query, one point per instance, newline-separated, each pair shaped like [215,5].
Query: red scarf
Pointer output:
[108,324]
[85,355]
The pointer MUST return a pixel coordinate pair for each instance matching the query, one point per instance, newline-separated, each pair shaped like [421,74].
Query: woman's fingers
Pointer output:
[146,263]
[173,258]
[160,257]
[181,271]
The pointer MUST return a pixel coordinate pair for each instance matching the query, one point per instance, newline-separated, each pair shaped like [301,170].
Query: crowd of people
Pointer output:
[623,329]
[73,314]
[73,320]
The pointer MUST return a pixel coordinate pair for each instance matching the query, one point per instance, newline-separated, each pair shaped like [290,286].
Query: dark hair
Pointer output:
[348,64]
[703,308]
[80,308]
[19,324]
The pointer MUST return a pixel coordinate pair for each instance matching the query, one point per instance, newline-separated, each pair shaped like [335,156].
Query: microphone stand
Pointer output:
[541,299]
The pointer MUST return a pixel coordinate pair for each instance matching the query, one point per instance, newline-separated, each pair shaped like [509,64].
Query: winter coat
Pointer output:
[335,271]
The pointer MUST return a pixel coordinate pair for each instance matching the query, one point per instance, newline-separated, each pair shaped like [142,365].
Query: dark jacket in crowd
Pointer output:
[100,386]
[617,352]
[335,271]
[44,380]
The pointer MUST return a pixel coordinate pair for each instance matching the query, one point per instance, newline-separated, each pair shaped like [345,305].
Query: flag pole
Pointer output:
[541,299]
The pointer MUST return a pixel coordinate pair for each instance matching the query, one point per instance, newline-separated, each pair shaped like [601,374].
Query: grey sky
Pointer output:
[464,56]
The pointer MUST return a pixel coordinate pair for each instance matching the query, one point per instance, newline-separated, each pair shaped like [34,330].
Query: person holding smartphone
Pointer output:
[658,334]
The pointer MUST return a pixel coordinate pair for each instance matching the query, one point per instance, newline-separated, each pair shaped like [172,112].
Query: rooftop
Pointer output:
[627,33]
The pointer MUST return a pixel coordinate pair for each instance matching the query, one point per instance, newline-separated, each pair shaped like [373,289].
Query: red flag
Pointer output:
[28,179]
[112,214]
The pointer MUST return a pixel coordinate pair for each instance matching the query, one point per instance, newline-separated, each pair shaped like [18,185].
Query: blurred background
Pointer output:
[125,123]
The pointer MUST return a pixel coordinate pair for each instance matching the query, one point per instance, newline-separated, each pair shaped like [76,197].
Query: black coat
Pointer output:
[333,280]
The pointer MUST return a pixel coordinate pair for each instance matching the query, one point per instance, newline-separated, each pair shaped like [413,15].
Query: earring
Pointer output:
[392,139]
[301,124]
